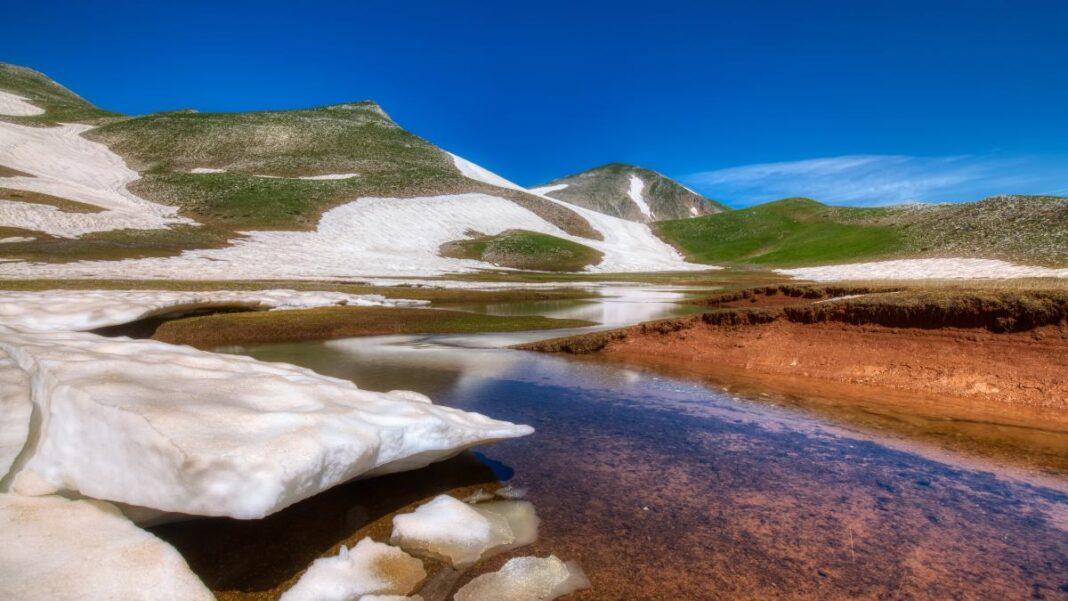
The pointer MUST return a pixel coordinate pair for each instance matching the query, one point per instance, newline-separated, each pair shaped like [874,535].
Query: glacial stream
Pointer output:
[668,488]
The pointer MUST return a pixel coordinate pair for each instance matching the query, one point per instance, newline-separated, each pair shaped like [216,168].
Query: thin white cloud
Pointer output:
[883,179]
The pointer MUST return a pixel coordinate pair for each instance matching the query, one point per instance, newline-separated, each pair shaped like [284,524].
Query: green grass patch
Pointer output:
[342,322]
[522,249]
[789,232]
[63,204]
[116,244]
[60,104]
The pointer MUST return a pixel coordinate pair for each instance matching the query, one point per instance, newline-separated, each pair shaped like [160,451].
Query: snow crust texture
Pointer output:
[17,106]
[370,570]
[59,550]
[16,409]
[924,269]
[526,579]
[62,163]
[184,431]
[461,533]
[57,310]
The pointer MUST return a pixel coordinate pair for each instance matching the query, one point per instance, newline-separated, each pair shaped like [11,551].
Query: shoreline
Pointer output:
[1000,393]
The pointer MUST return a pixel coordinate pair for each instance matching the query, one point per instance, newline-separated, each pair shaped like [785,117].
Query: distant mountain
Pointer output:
[631,193]
[339,190]
[801,231]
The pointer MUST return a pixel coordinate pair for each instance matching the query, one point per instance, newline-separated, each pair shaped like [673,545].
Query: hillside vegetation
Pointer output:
[605,190]
[798,231]
[521,249]
[60,104]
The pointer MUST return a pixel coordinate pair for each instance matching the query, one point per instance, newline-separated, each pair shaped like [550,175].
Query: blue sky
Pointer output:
[846,101]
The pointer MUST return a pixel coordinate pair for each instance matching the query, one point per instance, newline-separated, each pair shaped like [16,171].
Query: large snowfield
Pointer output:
[163,431]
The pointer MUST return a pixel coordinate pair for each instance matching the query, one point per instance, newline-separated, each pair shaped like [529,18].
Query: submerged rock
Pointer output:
[185,431]
[369,571]
[462,534]
[526,579]
[55,549]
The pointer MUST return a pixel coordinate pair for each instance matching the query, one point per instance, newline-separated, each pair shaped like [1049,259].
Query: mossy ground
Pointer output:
[341,322]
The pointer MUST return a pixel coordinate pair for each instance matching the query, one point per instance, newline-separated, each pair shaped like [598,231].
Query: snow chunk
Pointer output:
[461,533]
[526,579]
[201,170]
[17,106]
[13,239]
[62,163]
[481,174]
[184,431]
[90,309]
[694,212]
[635,194]
[369,570]
[328,176]
[924,269]
[60,550]
[15,412]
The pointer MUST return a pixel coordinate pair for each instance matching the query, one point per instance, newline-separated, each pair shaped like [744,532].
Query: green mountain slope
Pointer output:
[60,104]
[797,231]
[606,189]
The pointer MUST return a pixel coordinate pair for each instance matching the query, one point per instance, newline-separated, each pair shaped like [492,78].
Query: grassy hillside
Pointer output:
[60,104]
[521,249]
[285,146]
[796,231]
[604,189]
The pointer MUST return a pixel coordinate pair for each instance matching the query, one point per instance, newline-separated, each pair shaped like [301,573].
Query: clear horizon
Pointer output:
[869,105]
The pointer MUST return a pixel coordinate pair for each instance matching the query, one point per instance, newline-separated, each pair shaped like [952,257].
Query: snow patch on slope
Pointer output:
[184,431]
[481,174]
[543,190]
[378,237]
[17,106]
[60,550]
[369,568]
[57,310]
[62,163]
[637,186]
[924,269]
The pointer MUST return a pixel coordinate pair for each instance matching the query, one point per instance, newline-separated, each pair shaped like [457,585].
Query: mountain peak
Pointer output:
[630,192]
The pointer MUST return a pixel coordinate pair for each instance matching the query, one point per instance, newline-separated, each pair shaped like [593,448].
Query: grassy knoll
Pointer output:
[60,104]
[341,322]
[798,231]
[522,249]
[795,231]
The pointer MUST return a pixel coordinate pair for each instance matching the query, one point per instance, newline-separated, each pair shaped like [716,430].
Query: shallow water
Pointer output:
[666,488]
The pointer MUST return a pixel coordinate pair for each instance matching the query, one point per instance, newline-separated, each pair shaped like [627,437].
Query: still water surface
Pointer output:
[666,488]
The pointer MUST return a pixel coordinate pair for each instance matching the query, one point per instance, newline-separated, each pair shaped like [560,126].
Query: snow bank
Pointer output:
[15,412]
[62,163]
[60,550]
[481,174]
[13,239]
[924,269]
[180,430]
[370,568]
[543,190]
[635,194]
[526,579]
[90,309]
[328,176]
[17,106]
[461,533]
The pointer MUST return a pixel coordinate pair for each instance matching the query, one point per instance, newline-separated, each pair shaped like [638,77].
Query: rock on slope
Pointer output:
[630,193]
